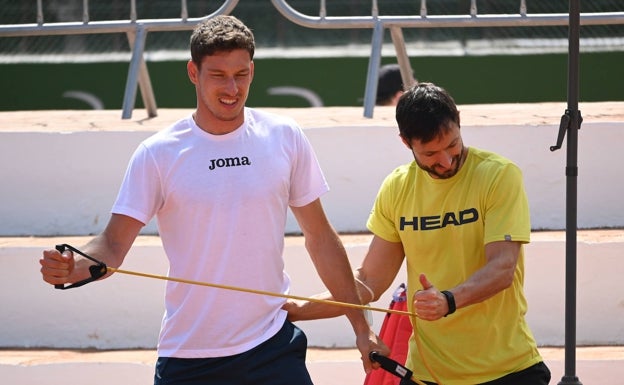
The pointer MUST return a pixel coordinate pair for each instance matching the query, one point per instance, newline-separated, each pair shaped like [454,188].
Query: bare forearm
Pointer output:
[494,277]
[311,310]
[111,246]
[333,267]
[481,286]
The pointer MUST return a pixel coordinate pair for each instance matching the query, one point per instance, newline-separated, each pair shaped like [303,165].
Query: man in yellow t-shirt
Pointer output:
[459,216]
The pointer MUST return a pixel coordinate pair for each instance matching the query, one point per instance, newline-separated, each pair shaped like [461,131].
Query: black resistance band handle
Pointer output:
[393,367]
[97,271]
[60,248]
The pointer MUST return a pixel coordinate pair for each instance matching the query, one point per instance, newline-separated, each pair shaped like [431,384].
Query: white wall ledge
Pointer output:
[61,171]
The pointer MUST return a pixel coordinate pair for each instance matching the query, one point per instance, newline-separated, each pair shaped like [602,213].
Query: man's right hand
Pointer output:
[57,268]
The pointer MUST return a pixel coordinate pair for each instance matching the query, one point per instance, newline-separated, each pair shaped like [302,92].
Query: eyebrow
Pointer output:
[453,143]
[219,70]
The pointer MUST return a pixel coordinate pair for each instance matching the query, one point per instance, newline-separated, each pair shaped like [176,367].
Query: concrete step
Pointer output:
[104,315]
[595,365]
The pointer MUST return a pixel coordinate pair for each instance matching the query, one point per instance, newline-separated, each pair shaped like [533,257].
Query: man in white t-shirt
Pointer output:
[219,183]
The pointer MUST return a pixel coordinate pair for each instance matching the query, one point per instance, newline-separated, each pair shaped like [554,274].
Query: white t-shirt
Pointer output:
[221,203]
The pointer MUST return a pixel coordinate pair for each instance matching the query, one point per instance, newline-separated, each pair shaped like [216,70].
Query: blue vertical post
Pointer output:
[370,93]
[138,46]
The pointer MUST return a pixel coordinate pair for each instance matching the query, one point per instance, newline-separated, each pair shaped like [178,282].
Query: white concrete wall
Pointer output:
[62,179]
[64,182]
[125,311]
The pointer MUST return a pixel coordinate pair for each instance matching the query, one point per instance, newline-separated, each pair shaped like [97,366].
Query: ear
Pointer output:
[405,142]
[252,71]
[193,71]
[396,97]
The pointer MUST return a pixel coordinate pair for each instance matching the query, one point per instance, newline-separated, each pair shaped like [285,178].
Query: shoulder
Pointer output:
[166,142]
[256,116]
[403,171]
[488,156]
[491,162]
[275,128]
[493,170]
[399,176]
[171,133]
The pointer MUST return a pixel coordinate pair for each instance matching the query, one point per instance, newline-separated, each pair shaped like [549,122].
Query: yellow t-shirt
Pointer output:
[444,225]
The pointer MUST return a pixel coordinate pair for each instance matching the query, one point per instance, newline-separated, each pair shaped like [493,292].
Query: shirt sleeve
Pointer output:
[381,219]
[140,193]
[507,216]
[307,180]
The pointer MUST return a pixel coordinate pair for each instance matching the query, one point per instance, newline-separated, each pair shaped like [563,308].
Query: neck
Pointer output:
[462,157]
[216,126]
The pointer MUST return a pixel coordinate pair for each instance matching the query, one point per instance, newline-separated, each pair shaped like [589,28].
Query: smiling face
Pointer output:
[441,157]
[222,84]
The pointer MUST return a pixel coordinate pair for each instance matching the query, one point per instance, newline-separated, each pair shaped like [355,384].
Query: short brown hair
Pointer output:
[220,33]
[424,112]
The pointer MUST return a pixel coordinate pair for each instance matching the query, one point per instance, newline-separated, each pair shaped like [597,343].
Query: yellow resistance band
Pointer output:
[262,292]
[288,296]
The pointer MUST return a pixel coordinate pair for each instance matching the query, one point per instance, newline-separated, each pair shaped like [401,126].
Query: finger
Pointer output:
[54,274]
[370,344]
[374,365]
[53,258]
[53,254]
[425,282]
[56,267]
[367,364]
[381,348]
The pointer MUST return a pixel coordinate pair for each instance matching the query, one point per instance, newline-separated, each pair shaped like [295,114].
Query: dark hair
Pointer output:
[424,112]
[388,84]
[220,33]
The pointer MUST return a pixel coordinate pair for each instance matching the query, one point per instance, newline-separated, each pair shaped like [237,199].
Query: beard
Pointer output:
[446,173]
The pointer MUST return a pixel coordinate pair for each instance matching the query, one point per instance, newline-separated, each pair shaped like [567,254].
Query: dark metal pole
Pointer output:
[572,119]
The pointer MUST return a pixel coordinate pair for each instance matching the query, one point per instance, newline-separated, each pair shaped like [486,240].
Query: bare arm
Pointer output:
[329,256]
[497,275]
[331,262]
[110,247]
[378,270]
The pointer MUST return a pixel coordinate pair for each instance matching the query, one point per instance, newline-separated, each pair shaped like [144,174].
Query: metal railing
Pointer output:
[136,31]
[378,23]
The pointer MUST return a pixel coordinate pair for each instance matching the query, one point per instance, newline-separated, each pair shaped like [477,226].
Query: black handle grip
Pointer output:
[96,271]
[392,366]
[60,248]
[385,362]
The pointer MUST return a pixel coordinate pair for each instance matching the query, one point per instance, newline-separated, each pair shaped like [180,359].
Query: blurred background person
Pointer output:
[389,85]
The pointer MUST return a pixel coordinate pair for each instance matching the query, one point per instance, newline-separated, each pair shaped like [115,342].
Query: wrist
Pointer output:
[370,291]
[360,322]
[450,300]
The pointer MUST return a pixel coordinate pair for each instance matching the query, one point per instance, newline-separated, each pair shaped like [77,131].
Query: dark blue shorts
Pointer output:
[277,361]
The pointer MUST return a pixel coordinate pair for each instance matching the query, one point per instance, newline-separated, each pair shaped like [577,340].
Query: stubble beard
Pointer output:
[455,163]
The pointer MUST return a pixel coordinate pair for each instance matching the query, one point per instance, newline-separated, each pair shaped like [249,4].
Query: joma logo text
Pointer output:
[229,162]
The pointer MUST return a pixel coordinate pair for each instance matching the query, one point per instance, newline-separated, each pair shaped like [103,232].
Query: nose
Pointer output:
[445,159]
[230,86]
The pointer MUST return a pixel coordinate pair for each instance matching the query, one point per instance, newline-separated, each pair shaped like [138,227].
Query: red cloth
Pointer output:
[395,333]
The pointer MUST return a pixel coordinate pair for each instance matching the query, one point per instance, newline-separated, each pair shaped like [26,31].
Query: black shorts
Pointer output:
[538,374]
[277,361]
